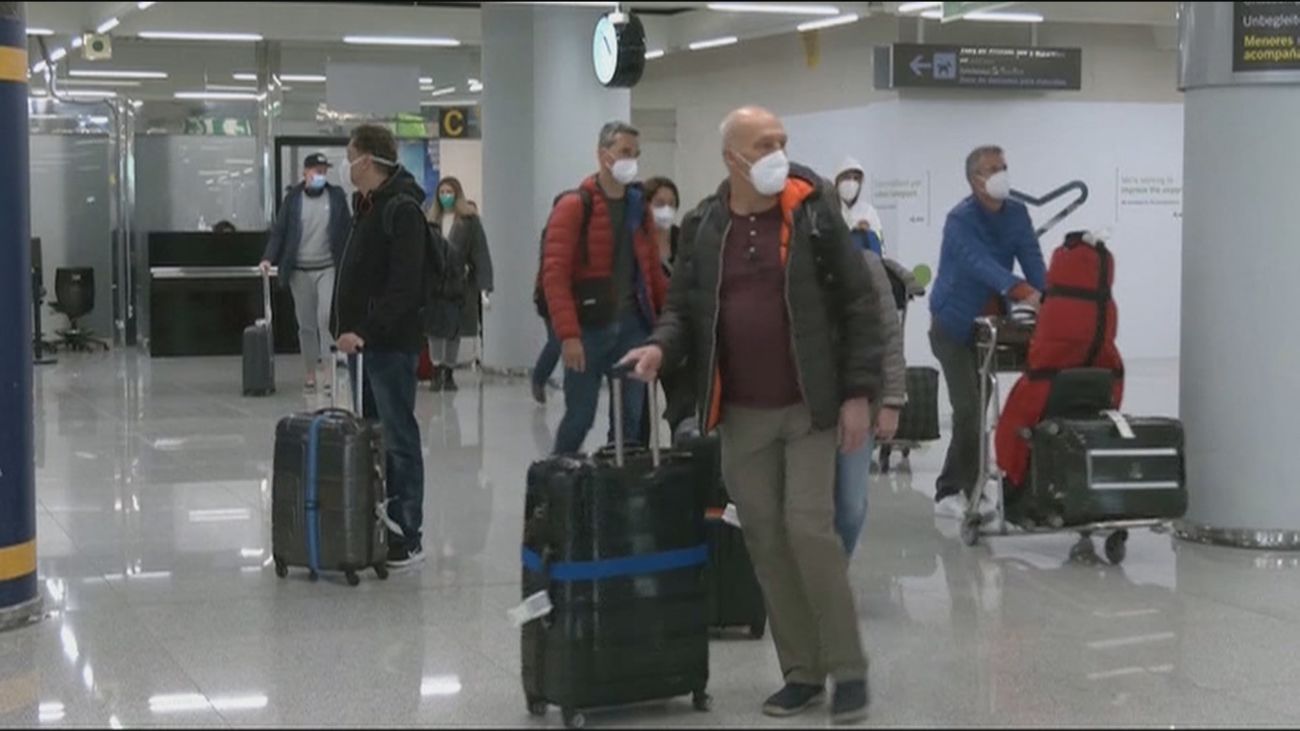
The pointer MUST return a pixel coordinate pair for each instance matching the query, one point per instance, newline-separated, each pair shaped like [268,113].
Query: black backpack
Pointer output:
[539,293]
[444,266]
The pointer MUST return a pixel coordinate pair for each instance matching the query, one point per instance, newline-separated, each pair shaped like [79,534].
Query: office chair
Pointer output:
[75,289]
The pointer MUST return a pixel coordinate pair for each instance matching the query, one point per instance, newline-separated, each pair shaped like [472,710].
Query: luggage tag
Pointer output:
[730,516]
[1125,429]
[534,607]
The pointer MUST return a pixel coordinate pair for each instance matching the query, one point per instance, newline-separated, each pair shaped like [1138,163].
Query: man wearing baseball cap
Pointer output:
[306,244]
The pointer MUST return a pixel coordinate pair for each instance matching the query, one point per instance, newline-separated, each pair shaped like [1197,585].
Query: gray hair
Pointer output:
[973,159]
[610,132]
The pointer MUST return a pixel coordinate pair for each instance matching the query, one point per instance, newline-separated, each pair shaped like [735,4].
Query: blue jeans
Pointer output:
[605,347]
[390,384]
[548,358]
[852,478]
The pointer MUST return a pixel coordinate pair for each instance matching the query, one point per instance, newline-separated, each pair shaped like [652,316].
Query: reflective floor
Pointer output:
[154,551]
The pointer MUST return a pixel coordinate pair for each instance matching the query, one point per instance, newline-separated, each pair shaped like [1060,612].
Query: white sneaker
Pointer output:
[988,507]
[953,506]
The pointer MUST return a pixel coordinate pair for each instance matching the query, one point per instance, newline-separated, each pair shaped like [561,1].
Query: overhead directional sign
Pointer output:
[980,67]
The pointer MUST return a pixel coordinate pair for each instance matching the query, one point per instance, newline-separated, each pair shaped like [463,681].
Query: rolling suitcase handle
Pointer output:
[356,385]
[266,299]
[616,378]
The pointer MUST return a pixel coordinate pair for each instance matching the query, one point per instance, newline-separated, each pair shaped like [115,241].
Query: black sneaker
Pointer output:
[539,393]
[793,699]
[400,557]
[850,702]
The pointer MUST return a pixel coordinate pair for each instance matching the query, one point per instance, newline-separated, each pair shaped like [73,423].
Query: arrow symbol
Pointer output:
[919,65]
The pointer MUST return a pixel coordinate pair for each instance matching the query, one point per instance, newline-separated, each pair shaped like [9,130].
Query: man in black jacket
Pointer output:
[773,302]
[377,309]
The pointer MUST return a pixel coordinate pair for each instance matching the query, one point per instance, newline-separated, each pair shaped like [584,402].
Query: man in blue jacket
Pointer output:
[985,235]
[306,244]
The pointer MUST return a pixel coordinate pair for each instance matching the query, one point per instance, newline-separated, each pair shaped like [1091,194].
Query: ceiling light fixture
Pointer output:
[77,42]
[57,54]
[244,77]
[652,55]
[401,41]
[170,35]
[108,25]
[39,68]
[216,96]
[775,8]
[101,82]
[87,94]
[442,92]
[917,7]
[115,74]
[828,22]
[426,80]
[40,32]
[714,43]
[989,17]
[304,78]
[145,5]
[227,87]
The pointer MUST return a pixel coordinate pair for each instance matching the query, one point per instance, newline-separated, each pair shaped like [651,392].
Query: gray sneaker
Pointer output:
[793,699]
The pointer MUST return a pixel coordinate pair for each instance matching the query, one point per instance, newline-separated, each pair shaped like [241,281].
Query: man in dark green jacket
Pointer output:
[775,304]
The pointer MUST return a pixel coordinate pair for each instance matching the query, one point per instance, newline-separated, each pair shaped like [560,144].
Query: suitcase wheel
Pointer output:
[757,631]
[703,702]
[353,579]
[381,571]
[281,568]
[574,719]
[1117,547]
[537,707]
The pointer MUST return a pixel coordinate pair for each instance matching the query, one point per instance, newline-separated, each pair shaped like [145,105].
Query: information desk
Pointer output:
[205,288]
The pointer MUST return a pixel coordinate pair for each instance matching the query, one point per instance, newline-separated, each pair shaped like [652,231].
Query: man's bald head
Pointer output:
[748,135]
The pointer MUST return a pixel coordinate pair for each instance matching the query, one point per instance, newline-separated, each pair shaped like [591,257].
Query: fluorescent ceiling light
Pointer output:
[108,25]
[102,82]
[652,55]
[426,80]
[57,54]
[76,42]
[571,3]
[401,41]
[169,35]
[917,7]
[828,22]
[39,67]
[304,78]
[714,43]
[440,685]
[475,86]
[778,8]
[115,74]
[216,96]
[145,5]
[228,87]
[989,17]
[40,32]
[89,94]
[245,77]
[442,92]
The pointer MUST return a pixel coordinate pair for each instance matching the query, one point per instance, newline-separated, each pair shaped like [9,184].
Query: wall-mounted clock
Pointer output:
[618,50]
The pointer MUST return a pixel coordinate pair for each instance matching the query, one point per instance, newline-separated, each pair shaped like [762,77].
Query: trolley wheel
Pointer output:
[907,454]
[536,707]
[281,568]
[1084,552]
[381,571]
[757,631]
[970,531]
[313,576]
[574,719]
[701,701]
[353,579]
[1117,547]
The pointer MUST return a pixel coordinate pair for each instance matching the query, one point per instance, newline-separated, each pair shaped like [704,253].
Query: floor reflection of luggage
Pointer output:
[327,492]
[735,597]
[616,544]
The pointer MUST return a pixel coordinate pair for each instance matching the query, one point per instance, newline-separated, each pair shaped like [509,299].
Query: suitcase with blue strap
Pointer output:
[617,544]
[327,492]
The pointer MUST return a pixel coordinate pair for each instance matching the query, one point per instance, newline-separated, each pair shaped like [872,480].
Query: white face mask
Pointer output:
[770,172]
[664,217]
[345,177]
[998,185]
[624,170]
[849,190]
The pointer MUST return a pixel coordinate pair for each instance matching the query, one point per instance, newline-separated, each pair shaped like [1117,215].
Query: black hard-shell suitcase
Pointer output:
[735,597]
[618,544]
[259,349]
[918,422]
[1086,471]
[328,493]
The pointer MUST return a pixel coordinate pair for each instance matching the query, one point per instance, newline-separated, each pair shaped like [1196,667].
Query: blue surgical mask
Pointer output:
[316,182]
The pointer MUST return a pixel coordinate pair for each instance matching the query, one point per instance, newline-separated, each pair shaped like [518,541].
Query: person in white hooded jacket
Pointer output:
[855,201]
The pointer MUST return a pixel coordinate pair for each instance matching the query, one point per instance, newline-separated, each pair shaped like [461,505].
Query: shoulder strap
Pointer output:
[584,195]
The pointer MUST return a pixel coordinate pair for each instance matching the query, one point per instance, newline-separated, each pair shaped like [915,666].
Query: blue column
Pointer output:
[19,598]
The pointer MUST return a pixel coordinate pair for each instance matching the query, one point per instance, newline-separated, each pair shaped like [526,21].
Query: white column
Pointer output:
[1241,328]
[542,112]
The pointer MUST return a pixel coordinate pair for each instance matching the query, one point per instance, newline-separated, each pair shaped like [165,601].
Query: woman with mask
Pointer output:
[306,243]
[862,218]
[664,204]
[457,220]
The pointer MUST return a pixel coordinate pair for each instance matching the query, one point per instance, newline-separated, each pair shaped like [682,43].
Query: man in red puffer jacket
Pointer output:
[603,290]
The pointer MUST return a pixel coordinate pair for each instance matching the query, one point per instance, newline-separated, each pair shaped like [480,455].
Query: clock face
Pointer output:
[604,50]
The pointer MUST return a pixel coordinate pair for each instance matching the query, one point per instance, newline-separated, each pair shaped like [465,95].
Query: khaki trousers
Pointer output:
[781,475]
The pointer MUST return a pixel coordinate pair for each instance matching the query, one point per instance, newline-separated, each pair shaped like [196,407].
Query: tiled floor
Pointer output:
[154,551]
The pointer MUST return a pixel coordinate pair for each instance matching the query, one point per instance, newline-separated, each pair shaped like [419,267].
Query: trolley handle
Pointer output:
[357,383]
[616,378]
